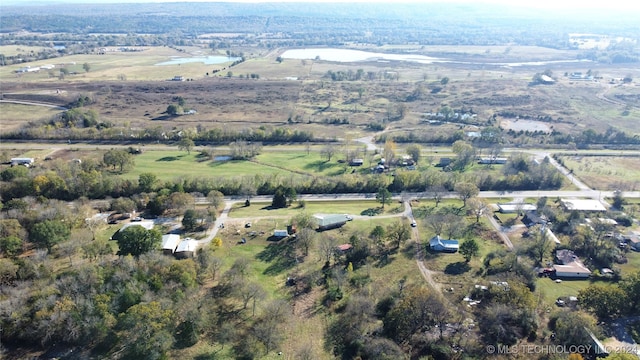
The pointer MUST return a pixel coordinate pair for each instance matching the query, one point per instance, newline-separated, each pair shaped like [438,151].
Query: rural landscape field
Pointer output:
[303,181]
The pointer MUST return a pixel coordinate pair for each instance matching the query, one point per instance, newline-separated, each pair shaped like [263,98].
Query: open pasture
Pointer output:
[132,92]
[170,165]
[606,172]
[14,116]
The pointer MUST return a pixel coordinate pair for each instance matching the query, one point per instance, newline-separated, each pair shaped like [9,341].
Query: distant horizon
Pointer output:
[611,5]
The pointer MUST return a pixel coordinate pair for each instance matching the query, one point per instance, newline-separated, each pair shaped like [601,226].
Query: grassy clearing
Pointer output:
[169,165]
[263,209]
[605,172]
[14,116]
[13,50]
[550,290]
[632,266]
[300,161]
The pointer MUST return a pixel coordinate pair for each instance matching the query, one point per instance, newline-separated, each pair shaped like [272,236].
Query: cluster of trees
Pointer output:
[614,301]
[349,75]
[592,137]
[140,308]
[92,179]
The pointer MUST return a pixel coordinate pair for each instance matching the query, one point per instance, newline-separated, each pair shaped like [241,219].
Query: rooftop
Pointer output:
[583,205]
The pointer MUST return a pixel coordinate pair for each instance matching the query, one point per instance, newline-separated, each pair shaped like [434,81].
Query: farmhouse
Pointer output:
[438,244]
[170,243]
[330,221]
[570,265]
[633,239]
[22,161]
[186,248]
[582,205]
[532,218]
[572,270]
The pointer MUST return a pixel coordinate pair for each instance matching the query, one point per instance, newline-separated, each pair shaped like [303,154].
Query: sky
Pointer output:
[544,4]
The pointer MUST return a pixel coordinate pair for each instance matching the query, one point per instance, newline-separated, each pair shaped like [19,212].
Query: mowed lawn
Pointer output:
[170,165]
[299,161]
[263,209]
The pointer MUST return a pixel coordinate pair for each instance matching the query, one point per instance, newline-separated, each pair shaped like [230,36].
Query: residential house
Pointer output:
[570,265]
[532,218]
[147,224]
[441,245]
[633,239]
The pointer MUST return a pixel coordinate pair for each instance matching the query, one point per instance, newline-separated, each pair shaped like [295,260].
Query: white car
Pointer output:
[414,224]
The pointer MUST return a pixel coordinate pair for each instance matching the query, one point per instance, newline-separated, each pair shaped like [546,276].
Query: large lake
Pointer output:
[348,55]
[207,60]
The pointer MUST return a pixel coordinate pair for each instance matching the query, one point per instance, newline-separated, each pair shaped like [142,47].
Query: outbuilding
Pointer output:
[582,205]
[330,221]
[280,233]
[186,248]
[512,208]
[170,243]
[22,161]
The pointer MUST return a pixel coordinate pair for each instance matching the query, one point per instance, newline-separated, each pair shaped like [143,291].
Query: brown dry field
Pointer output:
[240,103]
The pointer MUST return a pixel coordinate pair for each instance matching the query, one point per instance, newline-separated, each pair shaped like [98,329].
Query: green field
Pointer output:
[14,116]
[551,291]
[262,209]
[170,165]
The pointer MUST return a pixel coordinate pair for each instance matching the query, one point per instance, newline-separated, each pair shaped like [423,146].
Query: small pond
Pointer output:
[222,158]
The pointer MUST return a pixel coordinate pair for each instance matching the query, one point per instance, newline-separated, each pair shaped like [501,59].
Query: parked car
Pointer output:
[247,225]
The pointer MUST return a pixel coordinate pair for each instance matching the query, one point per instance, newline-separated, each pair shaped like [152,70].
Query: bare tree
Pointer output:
[478,207]
[541,245]
[455,225]
[327,246]
[304,240]
[328,151]
[466,191]
[437,193]
[435,223]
